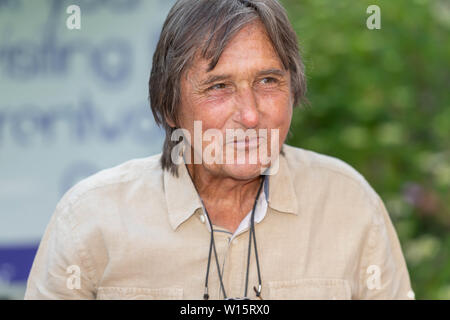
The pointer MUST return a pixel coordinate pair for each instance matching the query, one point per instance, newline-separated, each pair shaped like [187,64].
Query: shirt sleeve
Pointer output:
[60,269]
[383,271]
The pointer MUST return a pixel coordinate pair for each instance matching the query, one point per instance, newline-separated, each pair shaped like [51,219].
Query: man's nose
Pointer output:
[247,111]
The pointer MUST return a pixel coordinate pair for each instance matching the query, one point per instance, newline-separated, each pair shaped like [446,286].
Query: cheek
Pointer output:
[214,112]
[278,111]
[210,109]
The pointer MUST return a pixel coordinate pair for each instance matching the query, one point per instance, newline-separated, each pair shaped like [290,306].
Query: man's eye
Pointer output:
[218,86]
[269,80]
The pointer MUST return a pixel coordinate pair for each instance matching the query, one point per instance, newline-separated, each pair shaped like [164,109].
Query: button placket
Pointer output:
[226,258]
[239,256]
[223,253]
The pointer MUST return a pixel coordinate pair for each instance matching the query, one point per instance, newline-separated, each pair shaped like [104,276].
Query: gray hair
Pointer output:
[205,27]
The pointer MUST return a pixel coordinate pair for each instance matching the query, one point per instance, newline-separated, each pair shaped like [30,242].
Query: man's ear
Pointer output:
[170,122]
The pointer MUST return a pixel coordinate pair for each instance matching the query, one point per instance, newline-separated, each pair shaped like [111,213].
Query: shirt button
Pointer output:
[202,218]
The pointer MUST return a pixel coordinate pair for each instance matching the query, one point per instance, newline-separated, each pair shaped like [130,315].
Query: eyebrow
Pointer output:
[268,72]
[215,78]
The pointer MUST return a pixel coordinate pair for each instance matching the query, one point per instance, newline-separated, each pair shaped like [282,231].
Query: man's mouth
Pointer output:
[246,143]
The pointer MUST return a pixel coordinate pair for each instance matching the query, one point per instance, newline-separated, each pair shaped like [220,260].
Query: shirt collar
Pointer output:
[182,198]
[282,195]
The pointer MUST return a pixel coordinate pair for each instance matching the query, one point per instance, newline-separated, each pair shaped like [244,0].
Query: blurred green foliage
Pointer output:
[380,100]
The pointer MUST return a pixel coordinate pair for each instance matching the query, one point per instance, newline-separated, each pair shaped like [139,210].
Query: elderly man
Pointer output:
[204,221]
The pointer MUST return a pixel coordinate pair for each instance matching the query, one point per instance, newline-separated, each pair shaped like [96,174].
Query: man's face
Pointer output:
[248,89]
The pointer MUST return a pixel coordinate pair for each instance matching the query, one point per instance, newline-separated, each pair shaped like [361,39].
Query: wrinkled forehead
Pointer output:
[250,47]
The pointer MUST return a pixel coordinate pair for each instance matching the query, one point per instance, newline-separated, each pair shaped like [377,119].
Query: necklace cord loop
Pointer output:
[252,235]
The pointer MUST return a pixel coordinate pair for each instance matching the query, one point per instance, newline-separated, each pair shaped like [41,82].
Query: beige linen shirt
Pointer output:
[137,232]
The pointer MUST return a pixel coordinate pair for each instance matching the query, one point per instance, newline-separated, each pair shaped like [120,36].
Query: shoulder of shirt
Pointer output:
[112,177]
[301,160]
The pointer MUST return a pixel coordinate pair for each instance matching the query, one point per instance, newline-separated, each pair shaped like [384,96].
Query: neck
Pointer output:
[227,200]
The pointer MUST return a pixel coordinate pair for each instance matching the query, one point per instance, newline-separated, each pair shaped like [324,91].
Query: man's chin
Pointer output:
[244,171]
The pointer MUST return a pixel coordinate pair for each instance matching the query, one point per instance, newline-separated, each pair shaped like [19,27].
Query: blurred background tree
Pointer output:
[380,100]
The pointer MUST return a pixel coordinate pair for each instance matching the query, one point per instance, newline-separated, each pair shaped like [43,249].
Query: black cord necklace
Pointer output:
[212,247]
